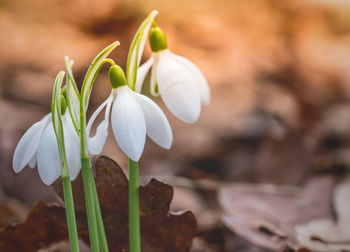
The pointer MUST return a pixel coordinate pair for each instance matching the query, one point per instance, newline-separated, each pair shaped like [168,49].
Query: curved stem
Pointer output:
[108,60]
[134,211]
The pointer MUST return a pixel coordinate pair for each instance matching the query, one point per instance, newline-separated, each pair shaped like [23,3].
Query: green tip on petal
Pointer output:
[116,76]
[157,38]
[63,105]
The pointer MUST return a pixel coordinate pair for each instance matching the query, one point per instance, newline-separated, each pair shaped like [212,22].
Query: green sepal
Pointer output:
[116,76]
[136,49]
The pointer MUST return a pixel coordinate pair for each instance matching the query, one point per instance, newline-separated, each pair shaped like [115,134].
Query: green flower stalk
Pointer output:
[133,62]
[78,105]
[58,109]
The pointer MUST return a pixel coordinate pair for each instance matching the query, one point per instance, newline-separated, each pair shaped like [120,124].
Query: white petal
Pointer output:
[201,82]
[142,73]
[177,88]
[96,143]
[32,162]
[28,145]
[157,125]
[72,147]
[128,124]
[48,158]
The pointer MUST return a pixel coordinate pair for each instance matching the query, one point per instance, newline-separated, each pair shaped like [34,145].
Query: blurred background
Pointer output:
[279,72]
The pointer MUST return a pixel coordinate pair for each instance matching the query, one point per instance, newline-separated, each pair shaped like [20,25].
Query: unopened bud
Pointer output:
[63,105]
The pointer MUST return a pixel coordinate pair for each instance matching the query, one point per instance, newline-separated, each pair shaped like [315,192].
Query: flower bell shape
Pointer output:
[39,146]
[180,83]
[133,116]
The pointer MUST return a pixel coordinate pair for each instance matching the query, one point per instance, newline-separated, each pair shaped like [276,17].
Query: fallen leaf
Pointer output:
[38,231]
[160,230]
[267,214]
[326,234]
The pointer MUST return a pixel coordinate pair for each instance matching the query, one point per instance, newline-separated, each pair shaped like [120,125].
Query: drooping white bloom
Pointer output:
[39,146]
[179,82]
[133,116]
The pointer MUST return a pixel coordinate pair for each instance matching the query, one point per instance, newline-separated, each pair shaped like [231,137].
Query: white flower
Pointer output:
[39,145]
[181,84]
[133,116]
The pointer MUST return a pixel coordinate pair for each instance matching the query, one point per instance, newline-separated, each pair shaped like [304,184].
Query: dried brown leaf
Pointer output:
[38,231]
[326,234]
[160,230]
[266,214]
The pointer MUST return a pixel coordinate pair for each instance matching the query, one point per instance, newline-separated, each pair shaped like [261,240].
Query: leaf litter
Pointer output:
[328,235]
[160,229]
[266,215]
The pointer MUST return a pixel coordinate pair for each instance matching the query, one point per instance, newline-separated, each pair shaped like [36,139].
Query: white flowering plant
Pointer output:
[60,144]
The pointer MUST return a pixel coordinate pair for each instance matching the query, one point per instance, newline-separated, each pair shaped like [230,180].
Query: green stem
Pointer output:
[70,214]
[92,209]
[100,225]
[134,212]
[90,205]
[96,228]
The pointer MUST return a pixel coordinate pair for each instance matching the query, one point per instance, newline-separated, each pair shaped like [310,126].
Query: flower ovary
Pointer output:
[157,39]
[116,76]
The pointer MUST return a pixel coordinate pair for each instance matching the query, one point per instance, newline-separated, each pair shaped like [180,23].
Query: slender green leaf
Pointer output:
[136,49]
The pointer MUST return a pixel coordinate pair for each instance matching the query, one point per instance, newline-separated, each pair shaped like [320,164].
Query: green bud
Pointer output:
[157,39]
[63,105]
[64,91]
[116,76]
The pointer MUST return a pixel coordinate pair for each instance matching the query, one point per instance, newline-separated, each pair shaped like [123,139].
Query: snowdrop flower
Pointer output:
[133,116]
[181,85]
[39,146]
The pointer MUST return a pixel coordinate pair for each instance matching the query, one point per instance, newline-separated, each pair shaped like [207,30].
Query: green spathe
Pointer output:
[157,39]
[116,76]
